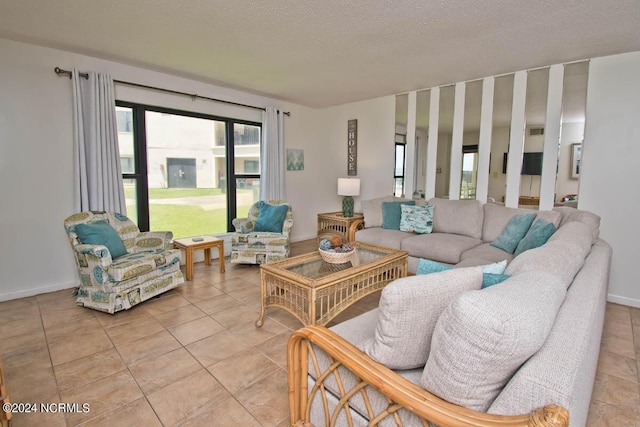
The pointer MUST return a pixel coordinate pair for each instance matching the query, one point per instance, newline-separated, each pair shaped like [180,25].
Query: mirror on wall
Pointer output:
[423,100]
[445,131]
[470,139]
[574,98]
[502,101]
[400,145]
[535,117]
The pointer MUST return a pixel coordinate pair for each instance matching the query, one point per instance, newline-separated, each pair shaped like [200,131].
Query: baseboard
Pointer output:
[631,302]
[36,291]
[303,238]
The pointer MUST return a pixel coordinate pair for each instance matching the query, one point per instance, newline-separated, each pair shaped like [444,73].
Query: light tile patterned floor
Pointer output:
[194,357]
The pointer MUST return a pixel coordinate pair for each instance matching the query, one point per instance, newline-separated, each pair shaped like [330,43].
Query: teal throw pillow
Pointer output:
[490,279]
[513,232]
[416,219]
[392,213]
[537,236]
[271,217]
[101,233]
[426,266]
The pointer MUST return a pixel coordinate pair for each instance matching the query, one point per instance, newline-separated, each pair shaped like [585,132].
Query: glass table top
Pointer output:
[317,268]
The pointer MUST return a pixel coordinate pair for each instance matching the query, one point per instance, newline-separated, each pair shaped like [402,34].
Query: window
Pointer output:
[399,166]
[187,172]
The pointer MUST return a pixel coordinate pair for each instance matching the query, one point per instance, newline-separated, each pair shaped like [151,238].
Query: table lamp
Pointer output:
[348,187]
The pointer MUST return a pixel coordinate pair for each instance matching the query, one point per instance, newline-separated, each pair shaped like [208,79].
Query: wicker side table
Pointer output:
[335,224]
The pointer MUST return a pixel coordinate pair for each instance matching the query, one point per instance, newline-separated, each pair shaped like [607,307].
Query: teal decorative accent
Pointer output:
[490,279]
[416,219]
[392,213]
[426,266]
[101,233]
[514,231]
[347,206]
[271,217]
[537,236]
[97,273]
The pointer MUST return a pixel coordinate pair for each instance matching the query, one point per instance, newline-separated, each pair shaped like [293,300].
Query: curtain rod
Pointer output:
[59,71]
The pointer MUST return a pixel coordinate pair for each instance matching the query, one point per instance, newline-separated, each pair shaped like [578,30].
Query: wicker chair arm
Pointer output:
[400,392]
[356,225]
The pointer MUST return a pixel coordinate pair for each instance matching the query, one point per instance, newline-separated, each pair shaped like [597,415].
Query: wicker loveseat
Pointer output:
[148,268]
[553,304]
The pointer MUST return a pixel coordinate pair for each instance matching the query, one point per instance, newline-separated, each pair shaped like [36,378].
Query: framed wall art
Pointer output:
[576,155]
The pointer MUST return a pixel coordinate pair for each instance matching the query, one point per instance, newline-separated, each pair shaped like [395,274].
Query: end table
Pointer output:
[189,244]
[336,224]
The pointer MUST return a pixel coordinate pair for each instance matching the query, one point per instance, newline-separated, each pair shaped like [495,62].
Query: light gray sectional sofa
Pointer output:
[522,352]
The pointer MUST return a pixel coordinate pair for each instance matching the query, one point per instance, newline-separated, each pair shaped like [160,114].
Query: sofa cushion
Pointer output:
[381,237]
[576,233]
[482,338]
[392,213]
[487,253]
[409,309]
[416,219]
[537,236]
[513,232]
[441,247]
[464,217]
[496,218]
[587,218]
[101,233]
[372,211]
[560,258]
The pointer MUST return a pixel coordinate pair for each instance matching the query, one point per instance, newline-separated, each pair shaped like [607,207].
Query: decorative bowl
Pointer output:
[336,257]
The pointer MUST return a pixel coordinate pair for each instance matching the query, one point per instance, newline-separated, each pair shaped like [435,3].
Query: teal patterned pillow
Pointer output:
[391,214]
[416,219]
[537,236]
[426,266]
[513,232]
[101,233]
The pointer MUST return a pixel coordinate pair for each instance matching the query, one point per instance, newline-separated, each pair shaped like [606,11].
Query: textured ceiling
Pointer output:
[324,53]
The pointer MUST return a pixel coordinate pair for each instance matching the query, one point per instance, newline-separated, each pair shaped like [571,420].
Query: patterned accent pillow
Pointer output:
[416,219]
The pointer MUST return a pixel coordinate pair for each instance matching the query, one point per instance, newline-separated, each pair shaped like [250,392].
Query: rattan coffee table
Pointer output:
[315,291]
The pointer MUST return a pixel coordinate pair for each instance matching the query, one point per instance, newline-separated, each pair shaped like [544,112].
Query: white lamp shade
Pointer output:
[348,186]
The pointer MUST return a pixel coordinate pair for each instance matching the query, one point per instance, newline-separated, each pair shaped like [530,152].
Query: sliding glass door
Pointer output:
[187,172]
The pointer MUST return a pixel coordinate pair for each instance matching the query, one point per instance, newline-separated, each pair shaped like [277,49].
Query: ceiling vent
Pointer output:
[536,131]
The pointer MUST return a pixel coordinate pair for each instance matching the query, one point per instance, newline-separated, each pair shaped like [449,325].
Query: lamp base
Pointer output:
[347,207]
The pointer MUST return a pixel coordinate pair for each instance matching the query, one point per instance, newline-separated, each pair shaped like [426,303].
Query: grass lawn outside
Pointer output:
[184,220]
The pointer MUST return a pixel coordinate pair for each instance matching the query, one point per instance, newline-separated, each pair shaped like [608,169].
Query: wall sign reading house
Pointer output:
[352,147]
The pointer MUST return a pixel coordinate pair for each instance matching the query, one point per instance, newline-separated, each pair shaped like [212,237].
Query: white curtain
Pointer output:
[97,172]
[272,156]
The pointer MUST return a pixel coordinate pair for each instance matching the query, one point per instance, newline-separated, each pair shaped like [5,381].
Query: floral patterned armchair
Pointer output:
[250,246]
[148,268]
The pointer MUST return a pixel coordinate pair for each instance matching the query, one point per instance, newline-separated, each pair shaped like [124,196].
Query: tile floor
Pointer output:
[194,357]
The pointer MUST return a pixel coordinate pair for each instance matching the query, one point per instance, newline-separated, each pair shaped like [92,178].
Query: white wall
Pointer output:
[611,163]
[36,147]
[571,133]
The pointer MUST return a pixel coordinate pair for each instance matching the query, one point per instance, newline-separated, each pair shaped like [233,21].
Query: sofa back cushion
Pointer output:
[408,311]
[483,337]
[496,217]
[372,210]
[559,258]
[587,218]
[464,217]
